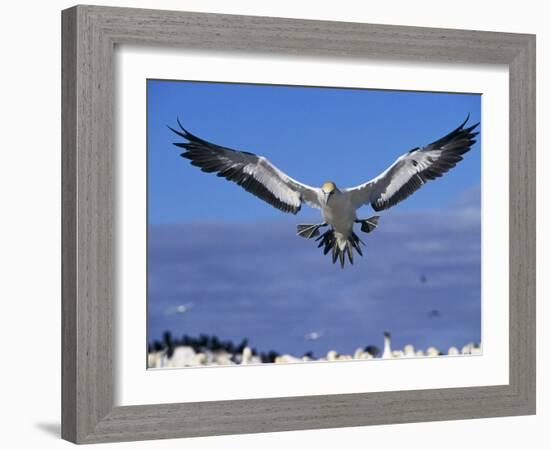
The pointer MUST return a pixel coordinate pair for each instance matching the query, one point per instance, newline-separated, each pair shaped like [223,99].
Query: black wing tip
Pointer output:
[181,126]
[459,133]
[470,128]
[464,123]
[184,133]
[179,133]
[466,120]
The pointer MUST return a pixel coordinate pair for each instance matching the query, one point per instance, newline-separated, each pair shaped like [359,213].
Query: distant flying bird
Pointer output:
[338,206]
[180,309]
[434,314]
[313,336]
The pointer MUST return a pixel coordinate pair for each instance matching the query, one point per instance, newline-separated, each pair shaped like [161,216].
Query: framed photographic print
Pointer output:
[267,222]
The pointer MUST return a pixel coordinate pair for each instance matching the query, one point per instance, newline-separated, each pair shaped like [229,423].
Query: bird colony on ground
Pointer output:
[187,356]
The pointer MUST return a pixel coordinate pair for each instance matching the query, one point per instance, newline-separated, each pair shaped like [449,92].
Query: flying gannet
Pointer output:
[338,206]
[313,336]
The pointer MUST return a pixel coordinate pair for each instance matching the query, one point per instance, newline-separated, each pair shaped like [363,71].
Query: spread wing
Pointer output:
[411,170]
[254,173]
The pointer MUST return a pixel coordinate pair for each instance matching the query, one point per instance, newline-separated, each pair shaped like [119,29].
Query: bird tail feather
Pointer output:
[340,247]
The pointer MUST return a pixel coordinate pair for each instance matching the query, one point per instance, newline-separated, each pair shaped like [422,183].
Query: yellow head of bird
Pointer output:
[328,187]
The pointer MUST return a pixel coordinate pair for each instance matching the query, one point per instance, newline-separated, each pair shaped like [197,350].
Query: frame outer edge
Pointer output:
[531,130]
[69,35]
[88,207]
[522,183]
[96,209]
[271,35]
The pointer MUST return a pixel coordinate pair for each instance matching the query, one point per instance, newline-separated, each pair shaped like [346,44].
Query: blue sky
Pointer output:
[237,260]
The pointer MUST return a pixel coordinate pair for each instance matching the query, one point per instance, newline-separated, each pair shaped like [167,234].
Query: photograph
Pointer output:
[306,224]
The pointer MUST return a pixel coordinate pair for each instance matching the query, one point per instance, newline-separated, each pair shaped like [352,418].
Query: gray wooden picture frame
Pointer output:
[89,36]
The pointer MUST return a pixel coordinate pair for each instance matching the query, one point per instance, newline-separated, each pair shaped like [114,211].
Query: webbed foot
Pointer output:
[368,225]
[309,231]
